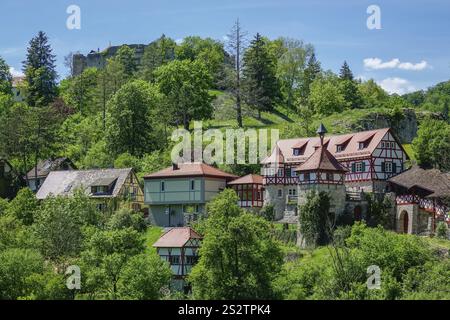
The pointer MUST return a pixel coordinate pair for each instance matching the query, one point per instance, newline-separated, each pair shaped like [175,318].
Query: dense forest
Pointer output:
[122,116]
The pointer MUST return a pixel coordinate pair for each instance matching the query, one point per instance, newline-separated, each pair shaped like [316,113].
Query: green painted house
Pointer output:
[178,194]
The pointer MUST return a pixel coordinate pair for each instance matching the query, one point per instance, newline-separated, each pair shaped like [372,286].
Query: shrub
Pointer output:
[442,230]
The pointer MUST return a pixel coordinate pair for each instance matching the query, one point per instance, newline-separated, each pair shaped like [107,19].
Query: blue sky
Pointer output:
[411,50]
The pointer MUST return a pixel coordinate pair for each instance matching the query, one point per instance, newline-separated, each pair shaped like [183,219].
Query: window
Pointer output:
[280,193]
[99,189]
[382,144]
[133,194]
[307,176]
[174,260]
[330,177]
[293,172]
[389,167]
[299,151]
[136,207]
[163,186]
[280,172]
[358,167]
[339,148]
[258,195]
[192,184]
[362,145]
[288,172]
[292,192]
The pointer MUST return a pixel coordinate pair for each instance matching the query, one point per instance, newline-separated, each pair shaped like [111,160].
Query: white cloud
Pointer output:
[15,73]
[178,41]
[377,64]
[411,66]
[396,85]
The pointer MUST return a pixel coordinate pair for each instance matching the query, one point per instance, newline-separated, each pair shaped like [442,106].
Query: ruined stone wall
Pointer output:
[98,59]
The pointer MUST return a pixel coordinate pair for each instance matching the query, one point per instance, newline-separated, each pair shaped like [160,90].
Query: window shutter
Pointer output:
[383,167]
[394,167]
[363,166]
[353,167]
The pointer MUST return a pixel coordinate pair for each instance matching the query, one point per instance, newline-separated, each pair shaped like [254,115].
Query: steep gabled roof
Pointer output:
[351,150]
[64,183]
[322,160]
[277,155]
[45,166]
[194,169]
[176,238]
[248,179]
[431,180]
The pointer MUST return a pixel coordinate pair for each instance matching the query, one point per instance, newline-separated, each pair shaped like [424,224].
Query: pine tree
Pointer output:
[312,70]
[346,73]
[40,73]
[349,87]
[5,78]
[261,85]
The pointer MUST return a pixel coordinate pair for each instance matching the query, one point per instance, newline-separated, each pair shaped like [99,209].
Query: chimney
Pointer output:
[175,166]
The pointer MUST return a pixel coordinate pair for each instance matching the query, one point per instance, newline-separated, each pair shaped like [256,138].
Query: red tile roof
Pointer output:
[176,238]
[248,179]
[300,144]
[285,154]
[195,169]
[321,159]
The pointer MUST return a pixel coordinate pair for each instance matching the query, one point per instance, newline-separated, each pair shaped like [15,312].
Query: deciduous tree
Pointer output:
[186,84]
[239,258]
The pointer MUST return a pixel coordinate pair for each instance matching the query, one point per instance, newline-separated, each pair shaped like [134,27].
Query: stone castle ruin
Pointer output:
[97,59]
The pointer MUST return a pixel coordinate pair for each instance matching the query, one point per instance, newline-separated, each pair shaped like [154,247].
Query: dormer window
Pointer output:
[99,189]
[103,186]
[340,148]
[299,151]
[362,145]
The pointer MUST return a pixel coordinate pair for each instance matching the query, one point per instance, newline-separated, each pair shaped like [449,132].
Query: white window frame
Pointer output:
[280,193]
[388,167]
[359,166]
[293,172]
[278,172]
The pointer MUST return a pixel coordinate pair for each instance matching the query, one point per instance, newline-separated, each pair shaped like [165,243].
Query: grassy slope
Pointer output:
[224,117]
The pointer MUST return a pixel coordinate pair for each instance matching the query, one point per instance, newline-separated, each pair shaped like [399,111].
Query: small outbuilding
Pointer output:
[179,247]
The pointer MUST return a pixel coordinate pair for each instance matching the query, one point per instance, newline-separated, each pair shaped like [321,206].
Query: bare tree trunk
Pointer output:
[236,44]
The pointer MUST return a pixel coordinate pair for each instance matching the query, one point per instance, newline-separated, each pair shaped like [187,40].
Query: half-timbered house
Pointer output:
[370,158]
[422,200]
[111,189]
[179,247]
